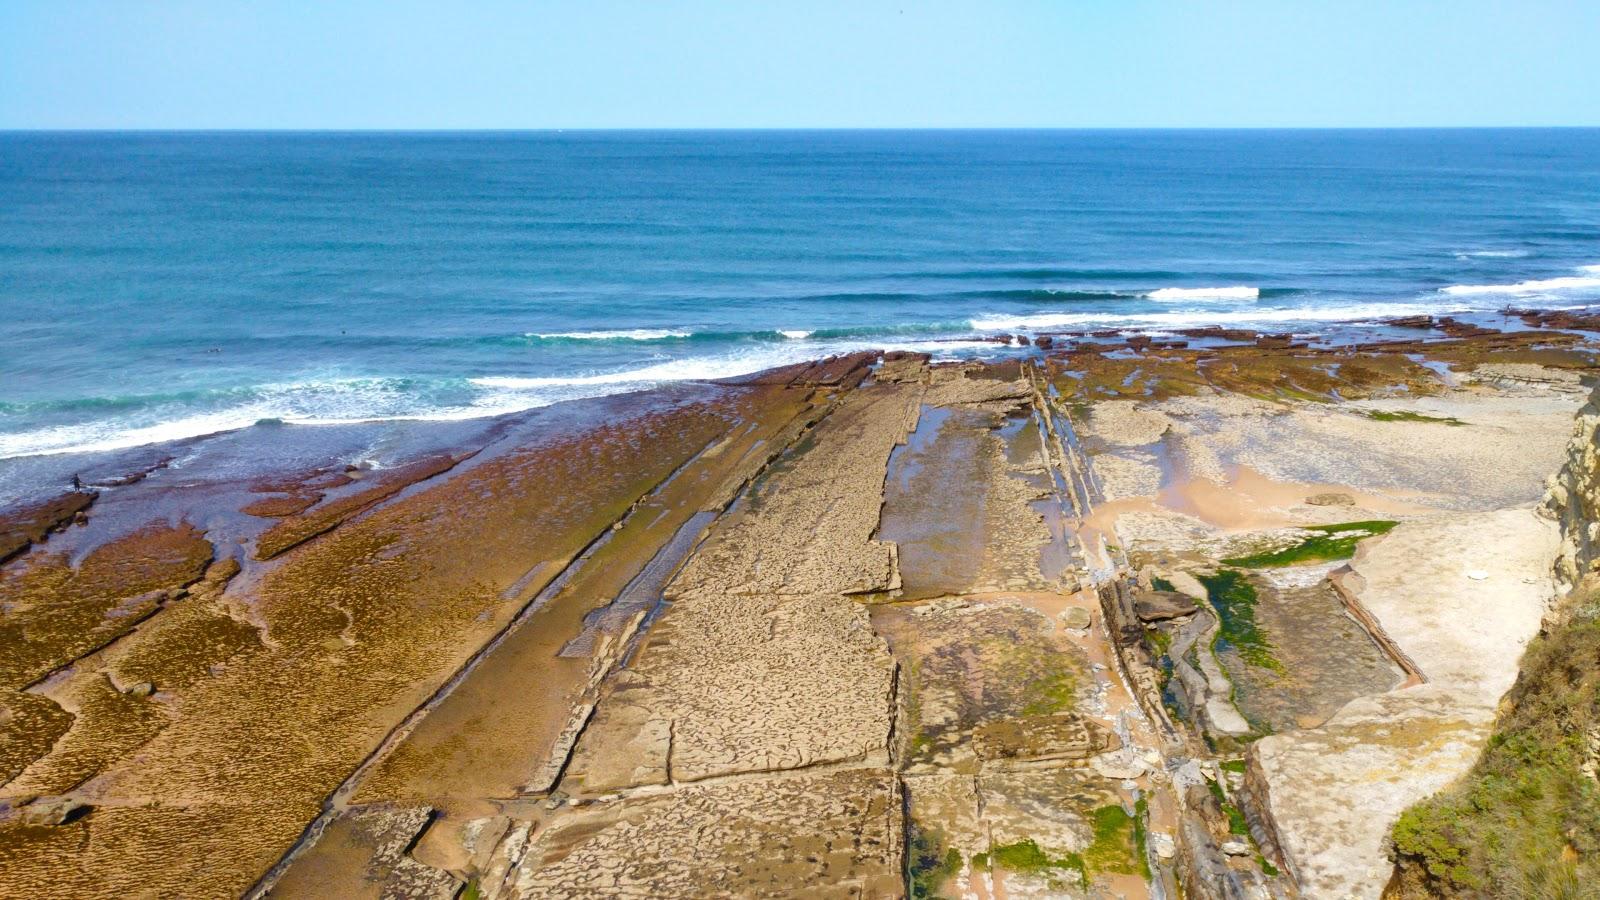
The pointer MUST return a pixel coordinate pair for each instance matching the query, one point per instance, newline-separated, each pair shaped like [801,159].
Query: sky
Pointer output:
[769,64]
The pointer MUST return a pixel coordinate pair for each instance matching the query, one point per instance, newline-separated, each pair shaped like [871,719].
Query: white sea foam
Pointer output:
[1178,295]
[1192,319]
[795,334]
[621,334]
[114,435]
[1539,286]
[690,369]
[336,401]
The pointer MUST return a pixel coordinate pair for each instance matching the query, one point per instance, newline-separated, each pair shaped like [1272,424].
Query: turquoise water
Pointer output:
[157,286]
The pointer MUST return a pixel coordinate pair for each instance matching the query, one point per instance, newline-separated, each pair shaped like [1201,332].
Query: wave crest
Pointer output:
[1236,292]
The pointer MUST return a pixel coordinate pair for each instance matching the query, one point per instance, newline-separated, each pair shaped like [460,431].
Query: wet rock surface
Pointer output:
[268,694]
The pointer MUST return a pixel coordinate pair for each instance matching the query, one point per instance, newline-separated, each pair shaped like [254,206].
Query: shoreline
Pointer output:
[869,588]
[125,461]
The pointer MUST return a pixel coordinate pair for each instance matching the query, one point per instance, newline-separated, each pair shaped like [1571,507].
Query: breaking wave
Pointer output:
[1538,286]
[1178,295]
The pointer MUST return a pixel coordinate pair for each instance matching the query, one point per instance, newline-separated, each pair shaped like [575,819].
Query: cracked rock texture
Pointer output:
[760,663]
[837,834]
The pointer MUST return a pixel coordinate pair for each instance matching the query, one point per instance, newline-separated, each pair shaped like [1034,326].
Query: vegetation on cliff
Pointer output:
[1525,822]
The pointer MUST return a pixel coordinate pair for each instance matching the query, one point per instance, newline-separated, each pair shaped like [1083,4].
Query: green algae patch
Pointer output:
[1051,693]
[1232,765]
[1043,680]
[1236,821]
[1025,858]
[1161,584]
[1141,838]
[1525,821]
[1160,641]
[1235,599]
[1329,543]
[1384,415]
[929,864]
[1118,842]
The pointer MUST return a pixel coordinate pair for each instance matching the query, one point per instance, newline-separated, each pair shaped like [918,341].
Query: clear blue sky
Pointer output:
[761,63]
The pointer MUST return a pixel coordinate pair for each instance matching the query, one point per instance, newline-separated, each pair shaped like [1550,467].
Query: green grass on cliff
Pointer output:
[1525,821]
[1331,542]
[1235,599]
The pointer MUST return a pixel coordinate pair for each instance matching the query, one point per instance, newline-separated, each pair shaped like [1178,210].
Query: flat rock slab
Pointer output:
[839,834]
[1059,737]
[761,663]
[1461,631]
[737,684]
[1335,791]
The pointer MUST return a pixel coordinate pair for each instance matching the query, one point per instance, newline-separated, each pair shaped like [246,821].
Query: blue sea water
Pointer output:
[162,285]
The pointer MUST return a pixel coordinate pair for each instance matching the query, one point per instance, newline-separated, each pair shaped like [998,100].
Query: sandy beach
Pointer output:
[1095,618]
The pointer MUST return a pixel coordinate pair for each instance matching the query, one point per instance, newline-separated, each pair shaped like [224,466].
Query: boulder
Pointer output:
[1158,606]
[1075,617]
[52,811]
[1331,498]
[1119,765]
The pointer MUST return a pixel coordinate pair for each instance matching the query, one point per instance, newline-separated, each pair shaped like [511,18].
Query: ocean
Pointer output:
[157,286]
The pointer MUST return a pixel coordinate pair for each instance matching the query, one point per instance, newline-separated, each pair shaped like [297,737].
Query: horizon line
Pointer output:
[764,128]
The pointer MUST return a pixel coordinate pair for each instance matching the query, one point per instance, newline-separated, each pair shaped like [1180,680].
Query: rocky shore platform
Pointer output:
[1108,615]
